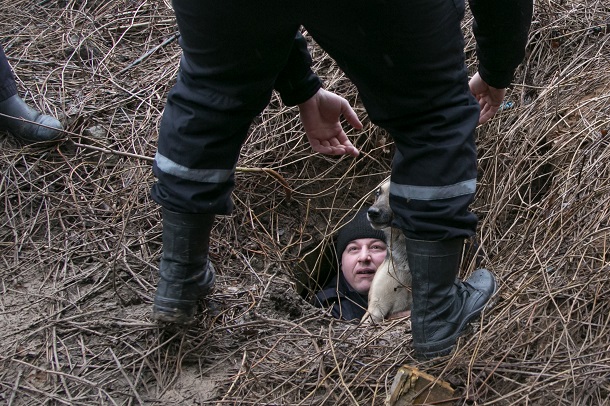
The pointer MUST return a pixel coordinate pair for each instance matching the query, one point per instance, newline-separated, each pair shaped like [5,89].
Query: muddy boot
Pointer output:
[442,304]
[186,273]
[14,106]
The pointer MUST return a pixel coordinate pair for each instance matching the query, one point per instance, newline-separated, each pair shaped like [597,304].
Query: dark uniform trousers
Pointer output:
[8,86]
[405,57]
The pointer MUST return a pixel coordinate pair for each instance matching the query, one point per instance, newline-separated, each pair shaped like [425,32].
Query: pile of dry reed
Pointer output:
[80,236]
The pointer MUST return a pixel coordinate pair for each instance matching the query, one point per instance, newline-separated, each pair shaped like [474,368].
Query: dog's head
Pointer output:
[380,214]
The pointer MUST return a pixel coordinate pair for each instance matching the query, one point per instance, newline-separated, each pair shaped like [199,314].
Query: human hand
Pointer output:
[321,115]
[399,315]
[489,98]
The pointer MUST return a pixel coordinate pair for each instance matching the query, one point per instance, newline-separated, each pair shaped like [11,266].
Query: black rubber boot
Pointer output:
[186,273]
[442,304]
[14,106]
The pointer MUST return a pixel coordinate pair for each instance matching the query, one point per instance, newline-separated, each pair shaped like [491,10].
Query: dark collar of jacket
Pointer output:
[346,303]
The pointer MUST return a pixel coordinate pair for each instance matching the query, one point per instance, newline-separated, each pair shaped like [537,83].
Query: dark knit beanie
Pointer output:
[358,227]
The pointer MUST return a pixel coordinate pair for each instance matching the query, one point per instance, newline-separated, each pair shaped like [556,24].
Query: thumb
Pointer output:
[350,115]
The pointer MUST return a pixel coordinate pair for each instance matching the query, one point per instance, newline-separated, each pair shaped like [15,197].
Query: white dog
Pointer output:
[390,291]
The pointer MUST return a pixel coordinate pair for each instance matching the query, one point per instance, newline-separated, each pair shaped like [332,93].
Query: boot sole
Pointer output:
[172,319]
[172,315]
[177,311]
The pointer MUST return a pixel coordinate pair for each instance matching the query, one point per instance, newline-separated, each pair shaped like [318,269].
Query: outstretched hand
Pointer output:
[321,118]
[489,98]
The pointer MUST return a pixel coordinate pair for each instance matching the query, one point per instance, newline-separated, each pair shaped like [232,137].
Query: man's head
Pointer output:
[361,249]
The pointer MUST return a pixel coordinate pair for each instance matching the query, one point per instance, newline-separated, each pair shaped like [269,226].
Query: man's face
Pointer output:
[360,261]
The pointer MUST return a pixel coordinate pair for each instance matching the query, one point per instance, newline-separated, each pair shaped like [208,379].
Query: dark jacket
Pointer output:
[346,303]
[501,30]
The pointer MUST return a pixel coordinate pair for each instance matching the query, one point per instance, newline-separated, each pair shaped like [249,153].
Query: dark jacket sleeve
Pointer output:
[297,83]
[501,28]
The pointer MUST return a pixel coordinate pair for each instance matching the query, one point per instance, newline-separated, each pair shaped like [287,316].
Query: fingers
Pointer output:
[488,110]
[485,116]
[321,118]
[336,150]
[335,147]
[350,115]
[399,315]
[489,98]
[351,150]
[342,150]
